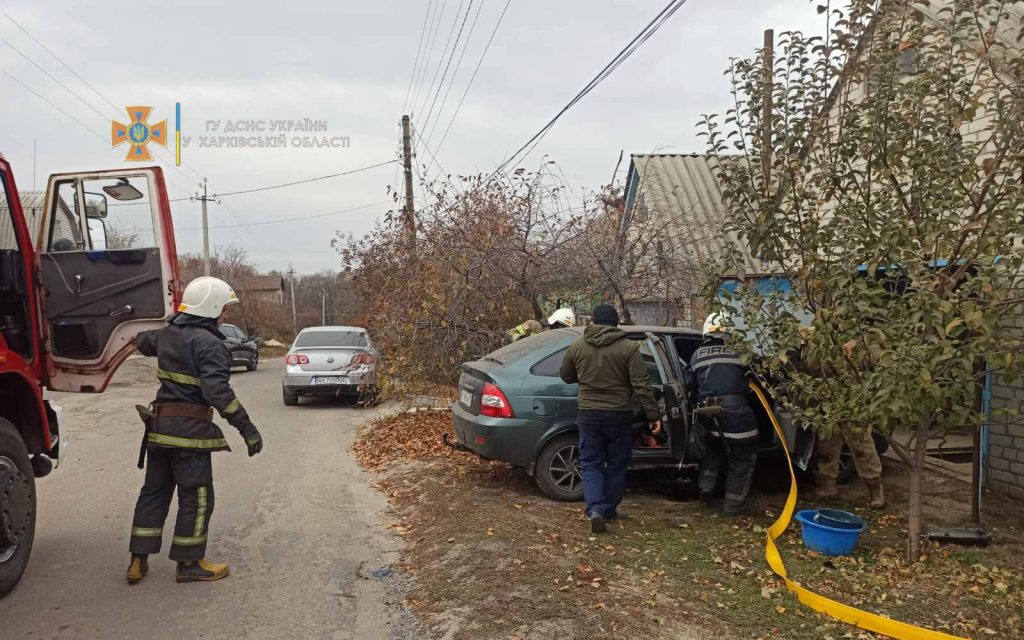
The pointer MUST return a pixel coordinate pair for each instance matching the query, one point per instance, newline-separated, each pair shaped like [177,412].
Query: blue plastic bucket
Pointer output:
[839,519]
[830,541]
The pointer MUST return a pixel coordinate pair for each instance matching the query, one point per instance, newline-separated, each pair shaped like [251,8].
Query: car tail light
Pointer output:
[294,359]
[363,358]
[494,402]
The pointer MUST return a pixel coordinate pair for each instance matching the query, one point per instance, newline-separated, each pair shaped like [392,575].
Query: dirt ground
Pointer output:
[493,558]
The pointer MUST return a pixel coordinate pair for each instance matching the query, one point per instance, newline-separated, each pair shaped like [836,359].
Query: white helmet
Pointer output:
[563,316]
[206,297]
[715,325]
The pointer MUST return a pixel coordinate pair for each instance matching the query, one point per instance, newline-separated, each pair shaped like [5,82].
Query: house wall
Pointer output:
[1005,469]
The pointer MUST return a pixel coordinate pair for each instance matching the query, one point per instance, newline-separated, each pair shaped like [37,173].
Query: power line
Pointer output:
[435,26]
[290,184]
[310,217]
[473,77]
[458,66]
[447,66]
[653,26]
[51,76]
[415,63]
[52,104]
[440,60]
[116,109]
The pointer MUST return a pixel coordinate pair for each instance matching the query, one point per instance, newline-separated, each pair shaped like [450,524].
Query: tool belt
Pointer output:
[182,410]
[167,410]
[725,400]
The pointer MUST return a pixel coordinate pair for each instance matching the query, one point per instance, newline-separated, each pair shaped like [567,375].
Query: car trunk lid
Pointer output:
[474,376]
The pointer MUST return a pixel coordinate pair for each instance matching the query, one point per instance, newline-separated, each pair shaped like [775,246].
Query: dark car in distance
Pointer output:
[244,349]
[513,406]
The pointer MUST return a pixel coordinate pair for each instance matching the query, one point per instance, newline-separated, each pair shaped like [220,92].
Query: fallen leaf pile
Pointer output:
[412,435]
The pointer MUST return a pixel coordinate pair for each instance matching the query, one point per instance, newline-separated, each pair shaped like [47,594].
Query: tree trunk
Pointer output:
[914,527]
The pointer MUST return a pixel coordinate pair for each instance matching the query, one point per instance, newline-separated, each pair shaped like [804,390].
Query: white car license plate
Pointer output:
[330,380]
[466,397]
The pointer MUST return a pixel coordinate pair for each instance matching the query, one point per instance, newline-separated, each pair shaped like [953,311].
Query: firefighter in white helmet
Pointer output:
[563,317]
[194,369]
[724,412]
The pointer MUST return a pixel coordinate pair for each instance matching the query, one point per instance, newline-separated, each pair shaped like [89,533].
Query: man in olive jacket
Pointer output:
[612,377]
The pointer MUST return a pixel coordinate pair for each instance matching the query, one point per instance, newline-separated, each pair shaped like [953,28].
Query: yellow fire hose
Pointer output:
[839,611]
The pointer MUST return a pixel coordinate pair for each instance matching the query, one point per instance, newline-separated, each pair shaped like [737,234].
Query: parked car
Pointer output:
[330,361]
[245,350]
[514,407]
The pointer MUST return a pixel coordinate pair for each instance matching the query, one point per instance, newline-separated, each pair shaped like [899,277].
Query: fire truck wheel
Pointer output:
[17,507]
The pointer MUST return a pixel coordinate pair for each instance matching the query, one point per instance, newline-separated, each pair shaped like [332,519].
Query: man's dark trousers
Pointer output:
[606,446]
[191,473]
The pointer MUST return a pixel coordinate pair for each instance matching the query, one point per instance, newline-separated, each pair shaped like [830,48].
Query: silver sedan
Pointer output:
[330,361]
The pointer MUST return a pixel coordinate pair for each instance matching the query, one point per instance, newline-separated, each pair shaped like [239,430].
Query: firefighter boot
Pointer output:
[138,569]
[200,571]
[827,489]
[876,493]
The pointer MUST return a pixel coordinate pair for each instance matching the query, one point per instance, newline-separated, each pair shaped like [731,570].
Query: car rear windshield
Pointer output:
[512,352]
[309,339]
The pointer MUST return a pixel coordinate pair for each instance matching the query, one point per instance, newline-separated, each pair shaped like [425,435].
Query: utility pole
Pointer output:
[323,307]
[768,60]
[408,212]
[291,285]
[206,228]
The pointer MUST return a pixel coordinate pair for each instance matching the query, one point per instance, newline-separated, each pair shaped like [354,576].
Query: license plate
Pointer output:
[330,380]
[466,397]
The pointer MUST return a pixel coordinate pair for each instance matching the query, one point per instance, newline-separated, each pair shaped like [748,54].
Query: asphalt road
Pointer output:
[299,525]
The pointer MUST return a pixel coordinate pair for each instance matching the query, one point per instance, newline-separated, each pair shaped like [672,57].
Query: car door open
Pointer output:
[675,418]
[108,265]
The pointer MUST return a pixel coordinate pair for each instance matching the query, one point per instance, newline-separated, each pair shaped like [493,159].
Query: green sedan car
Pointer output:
[513,406]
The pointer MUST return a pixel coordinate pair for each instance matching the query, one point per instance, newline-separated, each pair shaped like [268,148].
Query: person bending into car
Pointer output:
[612,375]
[721,379]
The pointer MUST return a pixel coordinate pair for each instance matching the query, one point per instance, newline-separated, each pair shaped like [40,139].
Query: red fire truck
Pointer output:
[83,271]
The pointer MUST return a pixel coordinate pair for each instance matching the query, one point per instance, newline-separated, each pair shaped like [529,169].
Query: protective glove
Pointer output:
[254,441]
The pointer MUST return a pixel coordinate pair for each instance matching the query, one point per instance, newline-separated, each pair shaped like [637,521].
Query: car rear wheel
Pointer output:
[290,399]
[17,507]
[558,472]
[254,361]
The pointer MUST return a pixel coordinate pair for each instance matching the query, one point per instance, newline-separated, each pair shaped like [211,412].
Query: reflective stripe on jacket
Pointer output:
[193,367]
[721,378]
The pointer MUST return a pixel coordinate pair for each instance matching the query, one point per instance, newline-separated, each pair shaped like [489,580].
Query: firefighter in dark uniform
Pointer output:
[193,367]
[721,381]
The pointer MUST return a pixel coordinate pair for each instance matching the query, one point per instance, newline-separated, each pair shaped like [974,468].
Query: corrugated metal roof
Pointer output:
[683,192]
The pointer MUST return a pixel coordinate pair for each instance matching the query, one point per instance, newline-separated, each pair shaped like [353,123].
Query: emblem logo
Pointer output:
[138,133]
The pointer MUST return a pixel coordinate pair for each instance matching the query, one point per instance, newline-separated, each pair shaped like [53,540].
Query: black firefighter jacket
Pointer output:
[194,367]
[721,378]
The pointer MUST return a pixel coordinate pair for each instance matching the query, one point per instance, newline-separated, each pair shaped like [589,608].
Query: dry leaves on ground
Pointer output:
[413,435]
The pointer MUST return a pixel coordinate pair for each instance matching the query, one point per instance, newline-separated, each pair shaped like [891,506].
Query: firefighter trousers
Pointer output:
[191,473]
[865,455]
[740,462]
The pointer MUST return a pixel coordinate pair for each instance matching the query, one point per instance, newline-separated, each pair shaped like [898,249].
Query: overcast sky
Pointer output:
[349,63]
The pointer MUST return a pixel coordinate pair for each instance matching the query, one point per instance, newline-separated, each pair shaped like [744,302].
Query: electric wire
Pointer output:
[419,48]
[435,27]
[473,77]
[309,217]
[458,66]
[440,60]
[447,66]
[653,26]
[291,184]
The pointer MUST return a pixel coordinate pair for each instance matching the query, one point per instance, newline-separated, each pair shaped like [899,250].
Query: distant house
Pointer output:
[677,198]
[263,287]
